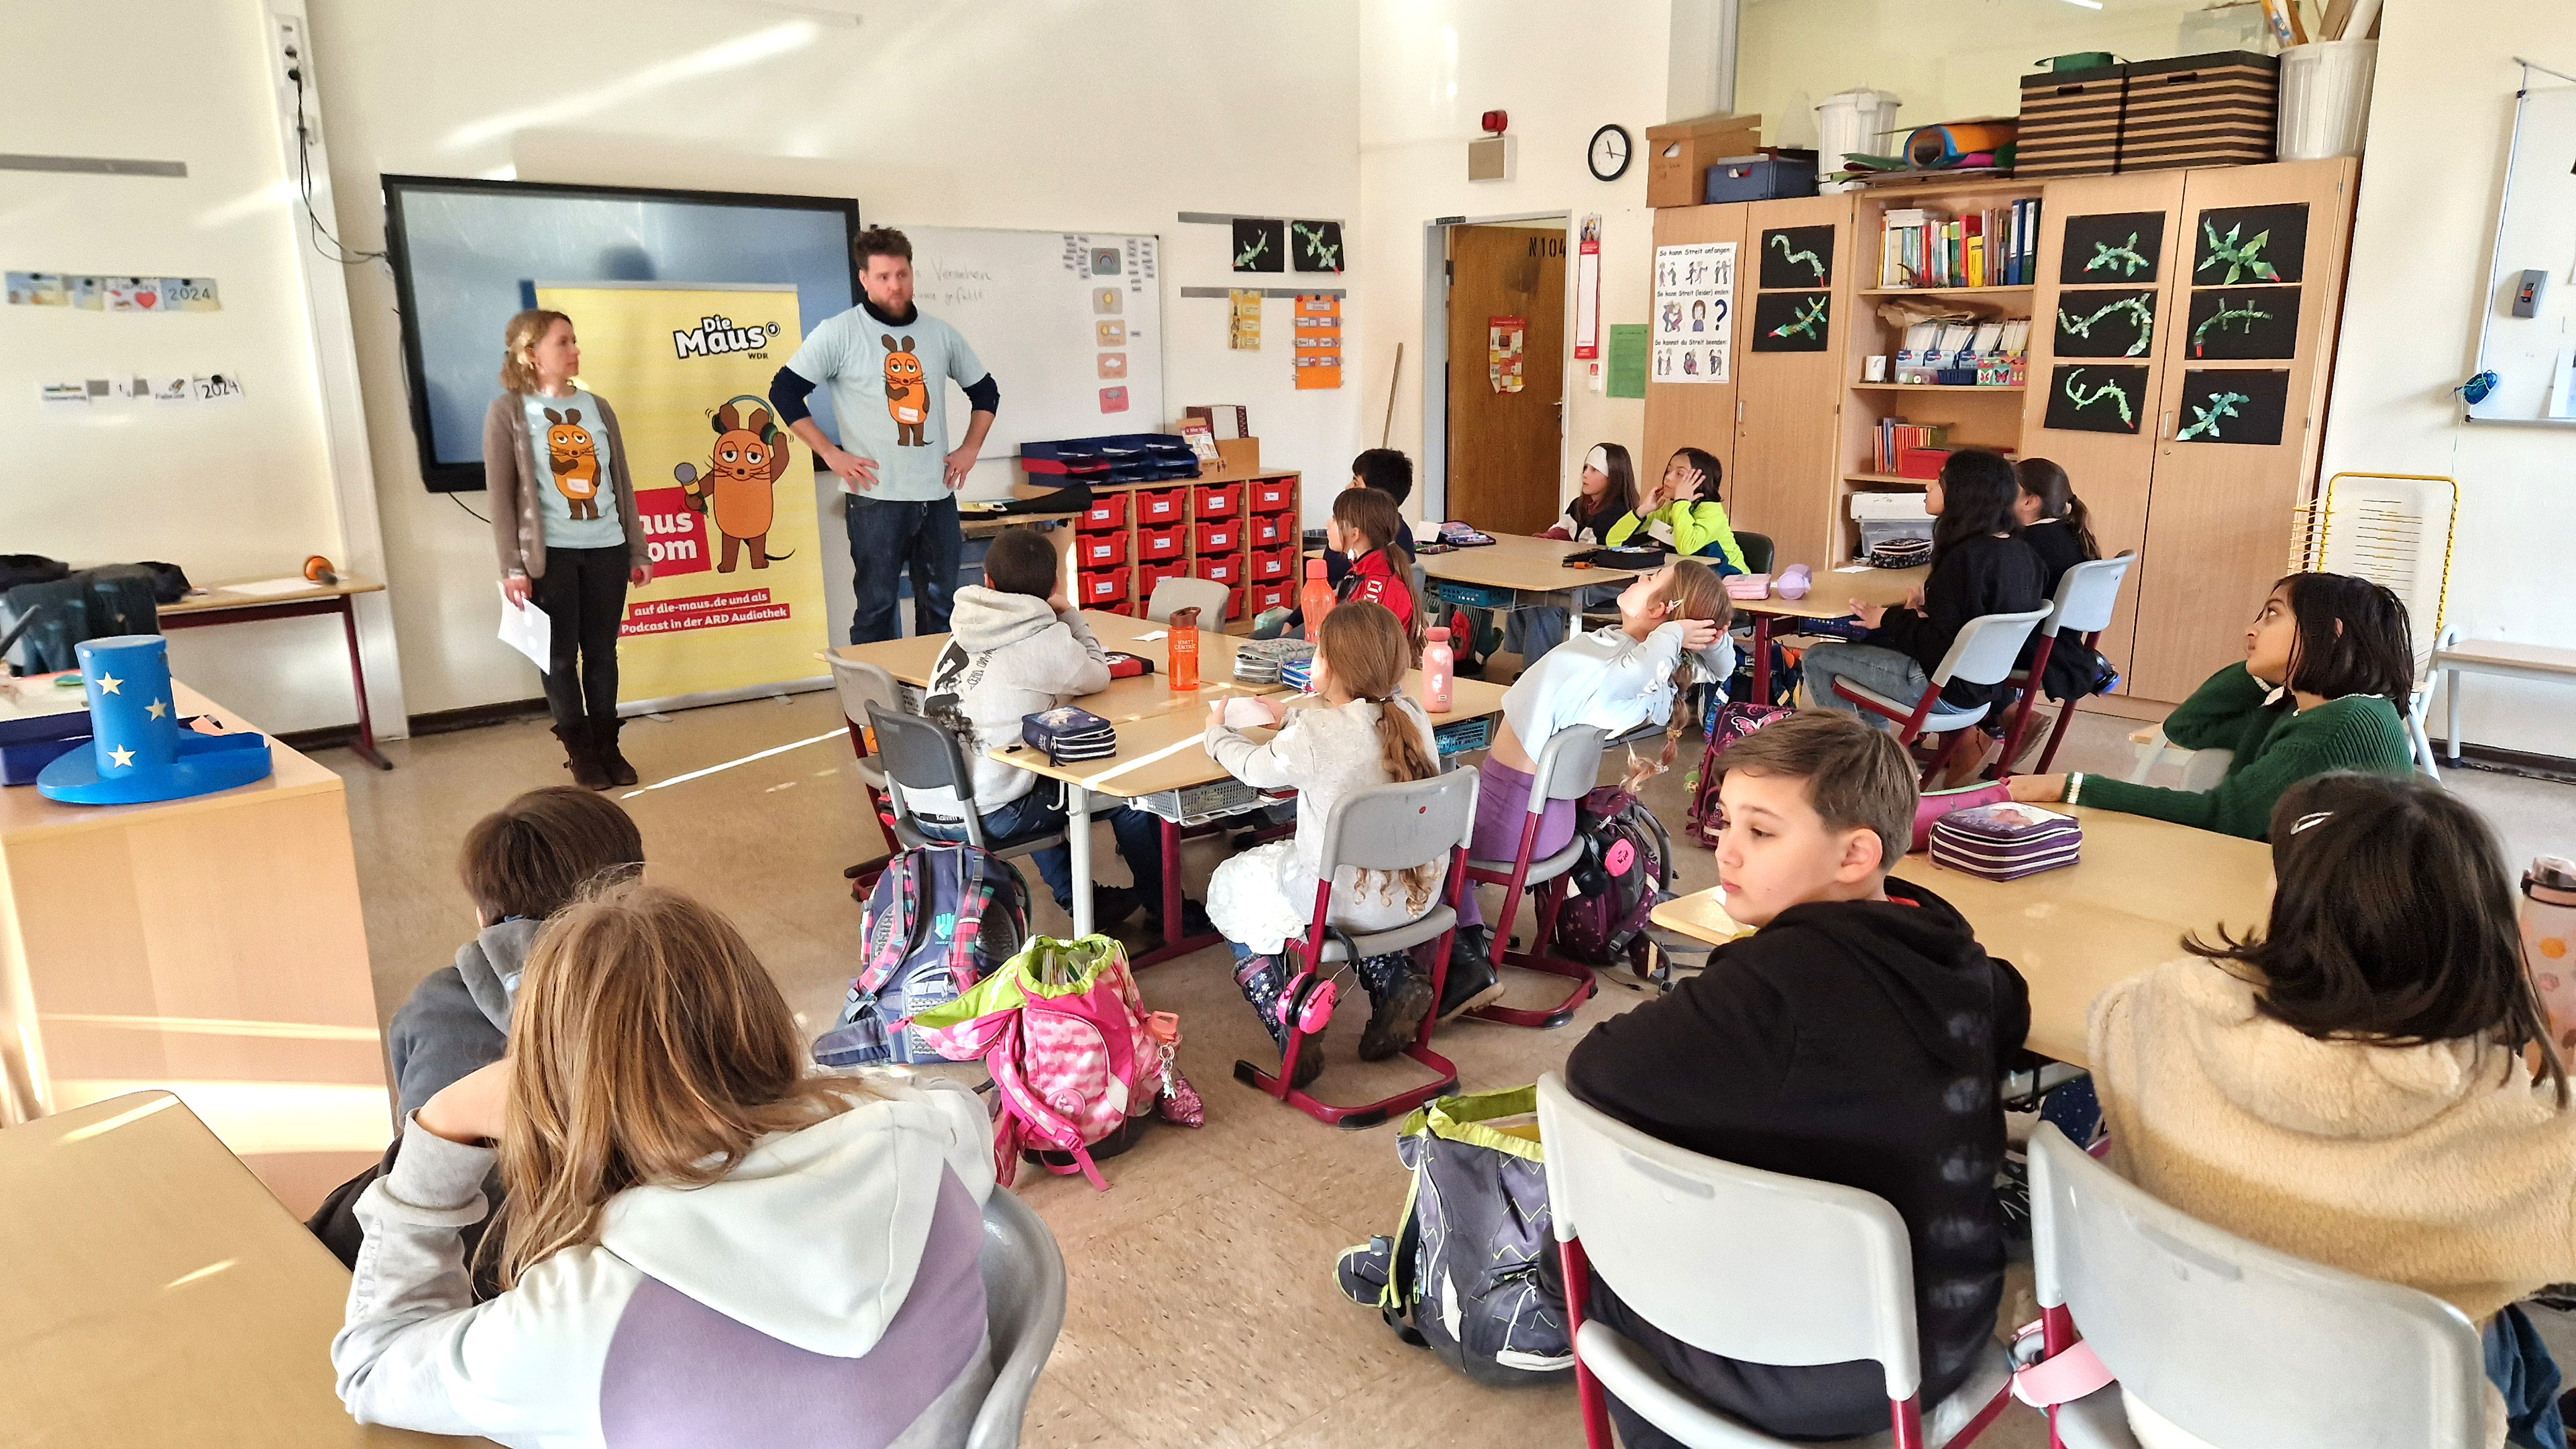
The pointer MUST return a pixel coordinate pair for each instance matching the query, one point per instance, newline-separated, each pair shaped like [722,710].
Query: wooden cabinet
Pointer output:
[2193,444]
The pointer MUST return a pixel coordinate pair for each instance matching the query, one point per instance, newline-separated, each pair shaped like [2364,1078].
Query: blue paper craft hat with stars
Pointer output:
[137,752]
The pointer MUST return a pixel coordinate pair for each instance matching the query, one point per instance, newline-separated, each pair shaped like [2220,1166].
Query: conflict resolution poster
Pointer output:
[725,491]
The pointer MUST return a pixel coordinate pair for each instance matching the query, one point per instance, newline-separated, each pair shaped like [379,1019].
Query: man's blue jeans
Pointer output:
[1139,834]
[887,538]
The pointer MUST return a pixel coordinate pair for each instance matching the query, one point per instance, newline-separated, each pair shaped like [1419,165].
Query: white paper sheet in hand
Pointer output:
[527,629]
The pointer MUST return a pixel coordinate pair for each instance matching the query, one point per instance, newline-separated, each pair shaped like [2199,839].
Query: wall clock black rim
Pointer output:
[1627,156]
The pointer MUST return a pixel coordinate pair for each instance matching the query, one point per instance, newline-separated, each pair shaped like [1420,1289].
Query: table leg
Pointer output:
[364,747]
[1761,659]
[2451,692]
[1077,839]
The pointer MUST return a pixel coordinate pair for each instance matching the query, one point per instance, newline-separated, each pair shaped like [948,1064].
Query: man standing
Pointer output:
[887,366]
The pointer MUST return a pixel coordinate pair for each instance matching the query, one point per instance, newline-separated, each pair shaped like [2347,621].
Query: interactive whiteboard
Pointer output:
[1071,324]
[2534,358]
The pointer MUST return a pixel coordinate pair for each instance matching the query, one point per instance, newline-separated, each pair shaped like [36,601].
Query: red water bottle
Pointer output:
[1439,671]
[1184,650]
[1316,598]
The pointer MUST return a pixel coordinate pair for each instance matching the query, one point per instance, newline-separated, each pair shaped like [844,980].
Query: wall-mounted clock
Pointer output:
[1609,152]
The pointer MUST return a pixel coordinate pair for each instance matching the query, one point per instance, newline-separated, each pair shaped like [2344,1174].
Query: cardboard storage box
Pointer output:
[1679,154]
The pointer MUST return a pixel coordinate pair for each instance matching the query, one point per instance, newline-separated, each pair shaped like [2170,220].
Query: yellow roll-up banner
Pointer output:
[724,492]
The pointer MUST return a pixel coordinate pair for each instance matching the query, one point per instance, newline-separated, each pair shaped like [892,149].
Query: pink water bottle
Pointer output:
[1439,671]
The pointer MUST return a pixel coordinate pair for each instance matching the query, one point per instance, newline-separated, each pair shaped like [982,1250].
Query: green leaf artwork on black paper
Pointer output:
[1810,316]
[2205,419]
[2241,258]
[1253,253]
[1816,263]
[1322,250]
[2244,317]
[2124,256]
[2083,397]
[2141,308]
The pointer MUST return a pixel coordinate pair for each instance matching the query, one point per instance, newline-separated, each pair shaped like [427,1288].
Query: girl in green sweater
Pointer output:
[2329,663]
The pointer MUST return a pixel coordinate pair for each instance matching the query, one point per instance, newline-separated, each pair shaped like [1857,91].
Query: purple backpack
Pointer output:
[1626,867]
[940,919]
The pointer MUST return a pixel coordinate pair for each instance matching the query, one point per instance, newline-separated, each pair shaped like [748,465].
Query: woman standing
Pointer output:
[562,505]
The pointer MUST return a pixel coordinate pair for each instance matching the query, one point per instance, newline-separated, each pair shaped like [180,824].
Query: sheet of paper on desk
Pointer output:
[527,629]
[1857,569]
[266,588]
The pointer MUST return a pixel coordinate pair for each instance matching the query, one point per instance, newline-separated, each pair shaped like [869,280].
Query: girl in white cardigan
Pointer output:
[1365,732]
[2353,1085]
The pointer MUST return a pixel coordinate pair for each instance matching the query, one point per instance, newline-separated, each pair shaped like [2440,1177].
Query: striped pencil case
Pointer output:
[2006,841]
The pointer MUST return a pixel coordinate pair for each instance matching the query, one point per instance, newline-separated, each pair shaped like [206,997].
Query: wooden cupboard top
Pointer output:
[159,1295]
[25,813]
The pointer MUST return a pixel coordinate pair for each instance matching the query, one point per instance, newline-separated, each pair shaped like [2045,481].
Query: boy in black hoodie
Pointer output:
[1856,1038]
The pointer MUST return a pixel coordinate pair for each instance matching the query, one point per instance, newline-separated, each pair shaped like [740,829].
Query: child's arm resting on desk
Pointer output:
[2214,717]
[1285,763]
[417,1352]
[2239,805]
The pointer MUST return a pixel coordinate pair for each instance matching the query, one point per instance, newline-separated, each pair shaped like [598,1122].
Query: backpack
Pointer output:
[938,920]
[1475,1229]
[1075,1060]
[1728,724]
[1626,867]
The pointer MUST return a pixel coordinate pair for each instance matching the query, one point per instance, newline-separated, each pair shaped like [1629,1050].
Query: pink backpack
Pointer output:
[1073,1053]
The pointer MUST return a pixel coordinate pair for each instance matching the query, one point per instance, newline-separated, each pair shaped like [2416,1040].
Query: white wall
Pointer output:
[227,494]
[1073,114]
[1429,68]
[2441,116]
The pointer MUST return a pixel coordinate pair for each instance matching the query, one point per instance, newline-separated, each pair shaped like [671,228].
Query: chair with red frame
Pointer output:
[1569,764]
[2229,1341]
[2086,596]
[1752,1265]
[860,685]
[1386,827]
[1984,653]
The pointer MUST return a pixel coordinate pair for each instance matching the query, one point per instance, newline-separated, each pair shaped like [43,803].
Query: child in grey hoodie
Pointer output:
[1017,647]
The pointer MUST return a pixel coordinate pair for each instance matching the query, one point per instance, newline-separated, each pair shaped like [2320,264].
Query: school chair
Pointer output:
[1984,653]
[2086,596]
[1385,827]
[1747,1264]
[1023,1312]
[1568,766]
[860,685]
[2229,1341]
[922,755]
[1173,595]
[1757,549]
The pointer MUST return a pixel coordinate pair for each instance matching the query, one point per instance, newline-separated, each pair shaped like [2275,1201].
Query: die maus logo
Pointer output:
[717,336]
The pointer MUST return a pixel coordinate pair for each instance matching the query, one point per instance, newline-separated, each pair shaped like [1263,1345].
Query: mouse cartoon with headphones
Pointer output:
[749,455]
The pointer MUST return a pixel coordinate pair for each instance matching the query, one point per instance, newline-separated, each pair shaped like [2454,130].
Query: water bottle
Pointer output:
[1439,672]
[1316,598]
[1184,650]
[2549,942]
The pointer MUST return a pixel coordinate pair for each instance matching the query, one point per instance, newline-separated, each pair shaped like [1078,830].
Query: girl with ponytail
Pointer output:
[2053,521]
[1358,730]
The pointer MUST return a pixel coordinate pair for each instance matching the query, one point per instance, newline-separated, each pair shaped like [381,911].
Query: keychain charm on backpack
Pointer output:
[1179,1104]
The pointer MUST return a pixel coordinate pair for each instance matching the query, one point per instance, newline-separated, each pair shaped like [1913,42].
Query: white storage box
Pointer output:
[1876,531]
[1904,506]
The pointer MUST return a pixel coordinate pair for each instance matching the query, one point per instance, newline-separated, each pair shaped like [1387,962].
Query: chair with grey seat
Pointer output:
[1023,1313]
[1569,765]
[1172,595]
[860,685]
[922,755]
[2231,1342]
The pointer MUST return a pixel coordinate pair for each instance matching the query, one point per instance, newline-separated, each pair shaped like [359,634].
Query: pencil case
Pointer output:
[1067,734]
[2006,841]
[1123,665]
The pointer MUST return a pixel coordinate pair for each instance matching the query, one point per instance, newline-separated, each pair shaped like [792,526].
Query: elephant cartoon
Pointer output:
[575,461]
[907,397]
[748,457]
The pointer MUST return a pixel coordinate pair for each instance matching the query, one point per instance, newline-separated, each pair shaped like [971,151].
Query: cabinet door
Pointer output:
[2109,259]
[1695,408]
[2248,358]
[1787,481]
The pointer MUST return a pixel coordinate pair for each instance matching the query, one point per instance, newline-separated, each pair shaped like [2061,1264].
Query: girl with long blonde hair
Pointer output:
[1362,731]
[688,1210]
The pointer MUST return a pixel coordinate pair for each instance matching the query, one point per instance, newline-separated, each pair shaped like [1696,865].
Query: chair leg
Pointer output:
[1172,947]
[2056,737]
[1551,899]
[1587,1389]
[1367,1114]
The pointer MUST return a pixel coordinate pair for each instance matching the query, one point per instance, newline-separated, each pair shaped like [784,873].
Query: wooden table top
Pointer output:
[911,659]
[1187,763]
[2119,912]
[1534,565]
[24,812]
[159,1295]
[1831,594]
[2507,654]
[216,598]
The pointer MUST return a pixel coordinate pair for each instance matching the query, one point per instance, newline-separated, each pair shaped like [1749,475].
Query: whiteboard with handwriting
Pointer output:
[1071,324]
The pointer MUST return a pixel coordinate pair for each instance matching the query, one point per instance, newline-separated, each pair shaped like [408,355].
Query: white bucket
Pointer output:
[2325,98]
[1855,120]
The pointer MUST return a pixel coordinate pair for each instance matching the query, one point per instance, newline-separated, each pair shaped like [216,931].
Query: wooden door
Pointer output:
[1505,446]
[1787,480]
[1695,409]
[2081,310]
[2228,480]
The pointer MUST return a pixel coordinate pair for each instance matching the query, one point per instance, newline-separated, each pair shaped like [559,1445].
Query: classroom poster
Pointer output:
[1503,341]
[1694,324]
[723,491]
[1319,341]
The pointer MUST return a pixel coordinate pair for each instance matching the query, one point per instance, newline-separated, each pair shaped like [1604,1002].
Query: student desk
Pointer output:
[1829,596]
[2074,933]
[1161,754]
[222,605]
[212,946]
[910,660]
[158,1295]
[1532,571]
[2503,657]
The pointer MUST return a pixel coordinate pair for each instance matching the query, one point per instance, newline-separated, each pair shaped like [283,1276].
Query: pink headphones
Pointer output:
[1314,1008]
